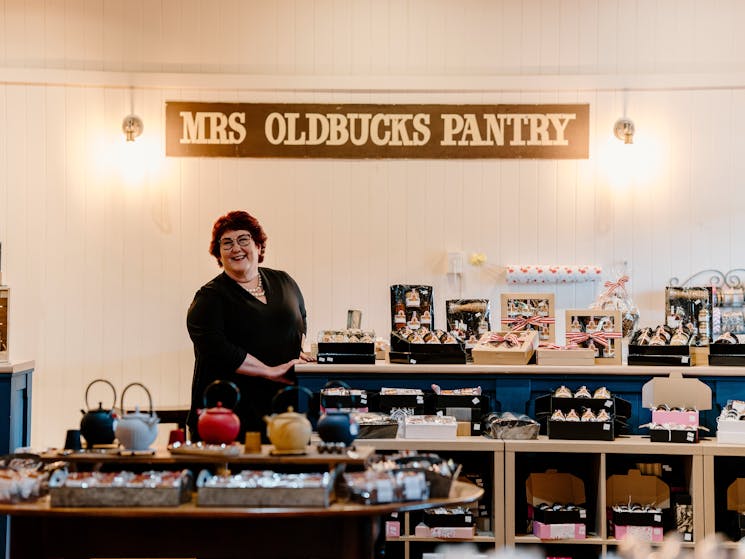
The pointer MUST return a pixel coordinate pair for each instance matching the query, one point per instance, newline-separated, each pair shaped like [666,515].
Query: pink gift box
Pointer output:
[559,531]
[676,417]
[643,533]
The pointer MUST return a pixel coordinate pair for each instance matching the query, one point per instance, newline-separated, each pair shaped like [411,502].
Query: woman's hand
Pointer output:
[306,358]
[254,368]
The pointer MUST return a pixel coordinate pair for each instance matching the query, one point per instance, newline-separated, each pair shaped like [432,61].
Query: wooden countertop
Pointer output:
[359,456]
[383,367]
[16,366]
[460,492]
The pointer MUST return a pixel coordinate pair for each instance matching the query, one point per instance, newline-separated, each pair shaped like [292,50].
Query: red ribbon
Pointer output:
[558,347]
[518,323]
[601,338]
[611,286]
[492,337]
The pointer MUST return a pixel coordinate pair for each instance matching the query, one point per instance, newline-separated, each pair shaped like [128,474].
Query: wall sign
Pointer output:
[354,131]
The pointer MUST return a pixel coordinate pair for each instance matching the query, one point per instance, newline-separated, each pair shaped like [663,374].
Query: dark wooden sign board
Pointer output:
[355,131]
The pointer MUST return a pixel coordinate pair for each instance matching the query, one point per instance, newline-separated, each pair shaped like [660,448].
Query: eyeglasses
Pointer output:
[242,240]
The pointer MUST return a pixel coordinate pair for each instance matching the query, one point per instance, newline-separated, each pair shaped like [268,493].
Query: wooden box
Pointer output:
[596,329]
[530,311]
[496,353]
[569,357]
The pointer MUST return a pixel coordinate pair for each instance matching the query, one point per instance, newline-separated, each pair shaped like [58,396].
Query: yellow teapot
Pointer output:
[290,431]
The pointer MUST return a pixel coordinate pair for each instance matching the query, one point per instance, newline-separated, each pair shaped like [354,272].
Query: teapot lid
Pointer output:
[137,414]
[290,414]
[219,408]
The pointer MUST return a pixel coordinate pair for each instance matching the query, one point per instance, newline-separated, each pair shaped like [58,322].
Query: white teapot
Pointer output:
[137,430]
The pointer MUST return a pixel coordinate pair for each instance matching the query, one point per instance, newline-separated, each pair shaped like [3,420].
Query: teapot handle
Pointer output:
[218,382]
[113,405]
[336,383]
[288,389]
[149,397]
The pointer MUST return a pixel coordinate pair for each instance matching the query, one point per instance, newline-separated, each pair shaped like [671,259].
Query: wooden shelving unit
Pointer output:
[493,453]
[595,461]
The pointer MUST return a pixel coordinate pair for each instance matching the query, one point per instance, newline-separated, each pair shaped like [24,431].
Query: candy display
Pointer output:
[529,311]
[468,319]
[597,330]
[265,488]
[690,307]
[122,488]
[615,297]
[22,478]
[412,307]
[386,486]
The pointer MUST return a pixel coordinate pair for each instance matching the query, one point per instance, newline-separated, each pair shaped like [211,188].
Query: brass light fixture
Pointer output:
[624,130]
[132,127]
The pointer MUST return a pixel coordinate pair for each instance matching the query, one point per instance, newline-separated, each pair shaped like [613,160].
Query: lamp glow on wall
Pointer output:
[629,158]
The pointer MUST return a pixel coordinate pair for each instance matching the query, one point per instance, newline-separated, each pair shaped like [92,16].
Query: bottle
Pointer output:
[703,326]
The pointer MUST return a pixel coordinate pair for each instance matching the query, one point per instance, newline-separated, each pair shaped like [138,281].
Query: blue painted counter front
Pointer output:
[515,388]
[15,409]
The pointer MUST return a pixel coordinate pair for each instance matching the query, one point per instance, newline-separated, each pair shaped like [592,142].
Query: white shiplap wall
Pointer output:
[103,251]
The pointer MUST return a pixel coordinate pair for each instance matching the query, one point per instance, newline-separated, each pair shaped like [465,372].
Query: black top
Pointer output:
[226,322]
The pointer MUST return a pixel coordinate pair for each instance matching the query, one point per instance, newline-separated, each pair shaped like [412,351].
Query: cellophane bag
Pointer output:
[616,297]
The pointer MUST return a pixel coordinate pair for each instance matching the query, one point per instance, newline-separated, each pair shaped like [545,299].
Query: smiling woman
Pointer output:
[247,324]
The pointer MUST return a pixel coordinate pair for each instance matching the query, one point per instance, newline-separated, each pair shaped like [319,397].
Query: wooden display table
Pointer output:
[39,531]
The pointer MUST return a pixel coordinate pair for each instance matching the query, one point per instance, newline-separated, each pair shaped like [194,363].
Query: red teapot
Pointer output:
[219,425]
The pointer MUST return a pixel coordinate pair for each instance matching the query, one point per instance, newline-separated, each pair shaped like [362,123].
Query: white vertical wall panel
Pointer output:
[104,251]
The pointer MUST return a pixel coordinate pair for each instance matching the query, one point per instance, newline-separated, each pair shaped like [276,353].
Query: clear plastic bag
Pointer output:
[615,297]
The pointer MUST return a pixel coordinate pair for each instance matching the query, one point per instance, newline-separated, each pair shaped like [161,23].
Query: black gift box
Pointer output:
[727,354]
[406,352]
[673,436]
[581,430]
[414,402]
[471,408]
[548,516]
[635,518]
[654,355]
[346,353]
[345,401]
[450,520]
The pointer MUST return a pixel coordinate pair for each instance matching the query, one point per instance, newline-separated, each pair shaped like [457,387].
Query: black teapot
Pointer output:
[97,426]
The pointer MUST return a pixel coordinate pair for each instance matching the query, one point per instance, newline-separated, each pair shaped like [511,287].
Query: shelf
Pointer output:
[528,538]
[475,539]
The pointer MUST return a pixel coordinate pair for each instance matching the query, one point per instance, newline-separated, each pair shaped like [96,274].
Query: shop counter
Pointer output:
[39,531]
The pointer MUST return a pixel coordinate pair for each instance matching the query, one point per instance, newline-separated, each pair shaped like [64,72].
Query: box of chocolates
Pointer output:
[350,346]
[675,403]
[636,505]
[598,330]
[530,311]
[425,347]
[582,414]
[727,349]
[505,348]
[662,345]
[556,505]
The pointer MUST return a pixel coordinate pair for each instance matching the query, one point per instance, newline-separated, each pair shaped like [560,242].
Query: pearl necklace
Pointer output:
[257,291]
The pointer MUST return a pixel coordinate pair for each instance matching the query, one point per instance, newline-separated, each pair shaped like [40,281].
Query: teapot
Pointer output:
[97,425]
[338,426]
[290,431]
[219,425]
[137,430]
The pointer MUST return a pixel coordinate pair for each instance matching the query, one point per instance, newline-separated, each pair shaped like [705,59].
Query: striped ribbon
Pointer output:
[559,347]
[611,286]
[601,338]
[517,323]
[492,337]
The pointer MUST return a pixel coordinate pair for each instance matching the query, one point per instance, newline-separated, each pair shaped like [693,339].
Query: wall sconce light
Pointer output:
[624,130]
[132,127]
